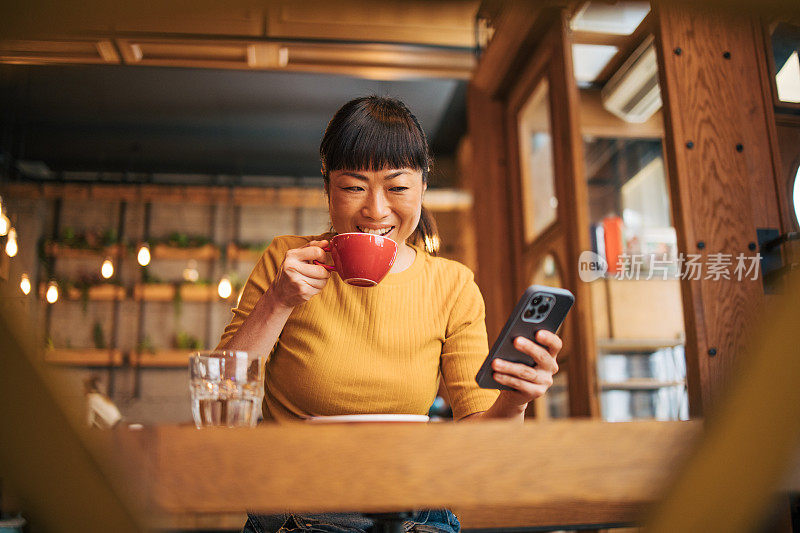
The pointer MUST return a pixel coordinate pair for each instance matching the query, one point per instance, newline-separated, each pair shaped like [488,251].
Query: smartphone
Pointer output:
[539,308]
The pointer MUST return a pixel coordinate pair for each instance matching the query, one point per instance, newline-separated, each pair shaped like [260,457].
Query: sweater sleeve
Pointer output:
[464,349]
[258,282]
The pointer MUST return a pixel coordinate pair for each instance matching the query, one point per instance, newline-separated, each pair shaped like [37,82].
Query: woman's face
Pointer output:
[384,202]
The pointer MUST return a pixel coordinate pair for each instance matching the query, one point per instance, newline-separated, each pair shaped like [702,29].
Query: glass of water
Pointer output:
[226,388]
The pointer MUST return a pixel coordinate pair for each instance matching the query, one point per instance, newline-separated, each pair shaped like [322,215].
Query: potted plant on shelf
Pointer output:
[180,246]
[153,288]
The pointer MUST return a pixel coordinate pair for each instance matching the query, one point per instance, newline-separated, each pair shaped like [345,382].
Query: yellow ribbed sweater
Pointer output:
[356,350]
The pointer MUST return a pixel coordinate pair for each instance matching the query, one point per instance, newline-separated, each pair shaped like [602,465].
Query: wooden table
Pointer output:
[494,474]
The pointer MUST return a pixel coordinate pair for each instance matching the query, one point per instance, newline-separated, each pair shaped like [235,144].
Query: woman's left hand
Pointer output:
[528,382]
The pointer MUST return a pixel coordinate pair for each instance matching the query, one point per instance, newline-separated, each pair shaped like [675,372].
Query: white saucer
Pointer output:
[350,419]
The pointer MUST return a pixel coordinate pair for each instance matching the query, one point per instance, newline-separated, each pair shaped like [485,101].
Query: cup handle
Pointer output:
[320,263]
[329,267]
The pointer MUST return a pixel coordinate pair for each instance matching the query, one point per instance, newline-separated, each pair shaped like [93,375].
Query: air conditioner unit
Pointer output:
[633,93]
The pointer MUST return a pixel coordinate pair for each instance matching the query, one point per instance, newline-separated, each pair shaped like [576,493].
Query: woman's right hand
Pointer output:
[299,279]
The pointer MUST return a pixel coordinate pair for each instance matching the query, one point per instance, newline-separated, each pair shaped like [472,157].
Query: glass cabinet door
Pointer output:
[536,163]
[637,302]
[555,404]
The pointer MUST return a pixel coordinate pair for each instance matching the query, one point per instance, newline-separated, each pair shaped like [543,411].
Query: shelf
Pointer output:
[59,250]
[165,292]
[636,345]
[162,359]
[154,292]
[639,384]
[198,293]
[247,255]
[199,253]
[83,357]
[106,292]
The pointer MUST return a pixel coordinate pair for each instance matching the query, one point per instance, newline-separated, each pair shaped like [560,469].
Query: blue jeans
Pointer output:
[427,521]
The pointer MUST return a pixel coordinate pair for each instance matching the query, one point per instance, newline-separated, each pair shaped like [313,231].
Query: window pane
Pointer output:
[637,307]
[589,60]
[620,18]
[785,52]
[536,163]
[796,196]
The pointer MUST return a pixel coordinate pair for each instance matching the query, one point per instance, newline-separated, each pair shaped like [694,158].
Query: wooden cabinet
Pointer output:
[640,349]
[648,311]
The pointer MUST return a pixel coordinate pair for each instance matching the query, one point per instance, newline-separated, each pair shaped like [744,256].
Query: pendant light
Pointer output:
[11,245]
[107,270]
[225,289]
[143,257]
[25,284]
[52,292]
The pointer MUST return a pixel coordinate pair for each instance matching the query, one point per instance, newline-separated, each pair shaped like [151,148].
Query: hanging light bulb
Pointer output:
[225,289]
[5,224]
[11,245]
[190,273]
[107,270]
[25,284]
[144,255]
[52,292]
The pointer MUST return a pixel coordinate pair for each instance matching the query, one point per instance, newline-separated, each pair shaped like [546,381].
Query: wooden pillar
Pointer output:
[531,44]
[491,189]
[719,145]
[574,214]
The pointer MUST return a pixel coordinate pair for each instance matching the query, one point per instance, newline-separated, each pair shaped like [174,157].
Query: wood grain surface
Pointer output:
[514,26]
[553,472]
[573,210]
[519,57]
[720,193]
[489,184]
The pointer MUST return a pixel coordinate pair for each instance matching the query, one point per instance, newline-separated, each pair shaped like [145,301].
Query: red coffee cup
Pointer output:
[361,259]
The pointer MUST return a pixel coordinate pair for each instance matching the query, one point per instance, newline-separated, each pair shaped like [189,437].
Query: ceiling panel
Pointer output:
[125,118]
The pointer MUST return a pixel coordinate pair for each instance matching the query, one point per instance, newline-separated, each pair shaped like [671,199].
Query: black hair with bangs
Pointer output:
[377,132]
[373,133]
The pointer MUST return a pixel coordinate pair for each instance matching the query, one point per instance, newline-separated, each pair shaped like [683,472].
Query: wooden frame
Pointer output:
[59,51]
[525,50]
[720,147]
[368,60]
[766,32]
[443,24]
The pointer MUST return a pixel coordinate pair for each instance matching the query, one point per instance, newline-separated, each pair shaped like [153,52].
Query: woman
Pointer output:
[338,349]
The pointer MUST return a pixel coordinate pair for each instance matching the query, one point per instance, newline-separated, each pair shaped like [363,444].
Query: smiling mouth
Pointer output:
[382,232]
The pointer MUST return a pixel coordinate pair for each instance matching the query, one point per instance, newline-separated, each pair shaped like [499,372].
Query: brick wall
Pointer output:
[158,395]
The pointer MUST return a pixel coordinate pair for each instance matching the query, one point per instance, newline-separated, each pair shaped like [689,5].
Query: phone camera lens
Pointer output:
[528,313]
[537,300]
[543,309]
